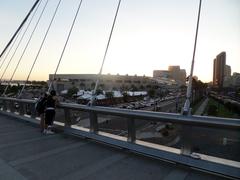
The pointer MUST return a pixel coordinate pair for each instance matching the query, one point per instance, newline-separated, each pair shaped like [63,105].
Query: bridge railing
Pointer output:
[205,128]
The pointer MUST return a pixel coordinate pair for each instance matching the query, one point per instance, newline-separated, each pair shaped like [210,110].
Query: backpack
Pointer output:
[50,102]
[40,105]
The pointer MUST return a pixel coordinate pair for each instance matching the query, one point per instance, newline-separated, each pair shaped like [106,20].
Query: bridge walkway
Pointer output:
[27,154]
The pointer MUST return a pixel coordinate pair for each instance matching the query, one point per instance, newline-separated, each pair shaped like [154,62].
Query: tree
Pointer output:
[72,91]
[198,90]
[125,96]
[101,86]
[109,94]
[151,93]
[141,87]
[160,93]
[133,87]
[212,110]
[99,91]
[238,92]
[13,89]
[82,85]
[93,85]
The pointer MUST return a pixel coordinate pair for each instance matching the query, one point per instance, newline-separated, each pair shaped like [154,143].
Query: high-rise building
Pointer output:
[219,65]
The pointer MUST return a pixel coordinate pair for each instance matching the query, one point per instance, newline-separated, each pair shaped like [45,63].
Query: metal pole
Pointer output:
[186,108]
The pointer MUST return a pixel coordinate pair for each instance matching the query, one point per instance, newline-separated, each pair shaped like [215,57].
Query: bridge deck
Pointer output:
[27,154]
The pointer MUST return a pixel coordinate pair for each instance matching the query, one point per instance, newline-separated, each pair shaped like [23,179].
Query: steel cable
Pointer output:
[45,36]
[23,35]
[30,38]
[65,45]
[19,28]
[105,54]
[4,57]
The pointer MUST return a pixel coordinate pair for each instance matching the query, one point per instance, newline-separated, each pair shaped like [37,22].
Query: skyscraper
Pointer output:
[219,65]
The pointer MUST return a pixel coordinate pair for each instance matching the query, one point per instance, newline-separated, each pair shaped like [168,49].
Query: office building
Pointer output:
[106,82]
[227,71]
[219,69]
[173,73]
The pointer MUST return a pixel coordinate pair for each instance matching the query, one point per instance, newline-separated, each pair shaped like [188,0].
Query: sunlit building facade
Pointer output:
[173,73]
[106,82]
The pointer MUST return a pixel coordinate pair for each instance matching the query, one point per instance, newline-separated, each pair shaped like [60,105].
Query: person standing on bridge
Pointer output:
[51,104]
[40,108]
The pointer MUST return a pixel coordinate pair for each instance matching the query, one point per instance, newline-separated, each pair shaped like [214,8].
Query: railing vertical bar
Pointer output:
[4,105]
[21,109]
[33,111]
[67,115]
[93,122]
[131,131]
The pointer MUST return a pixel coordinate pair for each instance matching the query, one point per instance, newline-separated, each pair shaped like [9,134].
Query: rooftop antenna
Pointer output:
[186,108]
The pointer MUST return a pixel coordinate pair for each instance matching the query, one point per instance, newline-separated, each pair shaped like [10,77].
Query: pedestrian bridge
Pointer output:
[87,153]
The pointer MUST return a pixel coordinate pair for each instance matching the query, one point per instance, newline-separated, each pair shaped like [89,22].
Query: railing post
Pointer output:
[21,109]
[186,134]
[131,130]
[93,122]
[4,105]
[11,106]
[67,114]
[33,111]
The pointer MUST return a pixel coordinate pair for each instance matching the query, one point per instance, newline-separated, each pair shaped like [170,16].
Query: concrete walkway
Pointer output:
[26,154]
[202,107]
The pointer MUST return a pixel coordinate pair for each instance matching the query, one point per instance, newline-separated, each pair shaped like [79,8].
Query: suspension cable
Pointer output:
[20,41]
[45,36]
[186,108]
[105,54]
[30,38]
[21,25]
[10,49]
[65,45]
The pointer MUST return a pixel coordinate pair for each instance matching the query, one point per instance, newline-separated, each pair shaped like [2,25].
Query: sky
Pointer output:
[149,35]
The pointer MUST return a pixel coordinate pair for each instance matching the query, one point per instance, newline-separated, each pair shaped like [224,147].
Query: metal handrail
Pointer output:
[184,156]
[205,121]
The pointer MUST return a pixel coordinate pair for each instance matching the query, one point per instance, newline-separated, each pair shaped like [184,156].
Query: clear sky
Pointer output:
[149,35]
